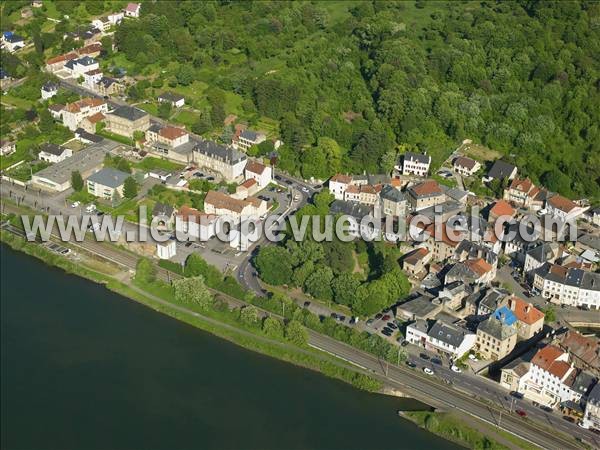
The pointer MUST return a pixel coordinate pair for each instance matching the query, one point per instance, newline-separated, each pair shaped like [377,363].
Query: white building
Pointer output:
[12,42]
[415,164]
[132,10]
[7,148]
[537,256]
[591,417]
[104,23]
[259,172]
[562,208]
[568,286]
[338,184]
[54,153]
[229,162]
[175,100]
[49,90]
[465,166]
[220,204]
[74,113]
[77,67]
[92,77]
[195,224]
[166,250]
[248,138]
[441,337]
[106,182]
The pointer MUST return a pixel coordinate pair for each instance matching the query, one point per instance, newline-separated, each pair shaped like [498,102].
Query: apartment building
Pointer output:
[465,166]
[229,162]
[106,182]
[220,204]
[495,338]
[72,114]
[415,164]
[126,120]
[425,194]
[568,285]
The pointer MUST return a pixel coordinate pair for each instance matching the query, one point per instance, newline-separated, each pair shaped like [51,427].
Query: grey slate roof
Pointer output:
[171,96]
[496,329]
[160,209]
[353,209]
[250,135]
[110,177]
[53,149]
[49,86]
[424,159]
[218,151]
[87,136]
[583,382]
[500,169]
[447,333]
[130,113]
[543,252]
[472,250]
[392,194]
[594,395]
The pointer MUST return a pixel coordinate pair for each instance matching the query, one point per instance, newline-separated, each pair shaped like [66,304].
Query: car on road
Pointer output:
[404,343]
[90,208]
[455,369]
[436,361]
[333,315]
[306,304]
[370,321]
[569,419]
[428,371]
[277,177]
[75,204]
[378,316]
[521,413]
[546,408]
[424,356]
[341,318]
[305,189]
[353,320]
[288,182]
[516,394]
[411,364]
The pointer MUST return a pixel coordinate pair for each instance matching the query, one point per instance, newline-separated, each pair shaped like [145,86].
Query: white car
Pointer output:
[90,208]
[305,189]
[455,369]
[428,371]
[472,357]
[75,204]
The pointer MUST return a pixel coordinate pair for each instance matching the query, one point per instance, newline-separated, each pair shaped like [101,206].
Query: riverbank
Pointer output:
[221,321]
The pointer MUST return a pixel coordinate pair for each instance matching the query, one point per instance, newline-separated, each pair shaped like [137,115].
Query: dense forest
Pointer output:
[521,77]
[351,84]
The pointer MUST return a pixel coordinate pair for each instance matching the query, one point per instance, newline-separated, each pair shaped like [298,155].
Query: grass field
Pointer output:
[186,117]
[152,163]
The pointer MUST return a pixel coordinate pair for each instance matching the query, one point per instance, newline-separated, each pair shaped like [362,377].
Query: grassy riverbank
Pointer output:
[220,321]
[476,435]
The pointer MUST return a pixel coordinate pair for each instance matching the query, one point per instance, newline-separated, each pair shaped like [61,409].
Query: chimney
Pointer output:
[528,308]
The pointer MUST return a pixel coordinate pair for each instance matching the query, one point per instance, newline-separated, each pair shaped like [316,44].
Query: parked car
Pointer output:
[455,369]
[393,326]
[516,394]
[428,371]
[424,356]
[304,189]
[404,343]
[436,361]
[569,419]
[378,316]
[472,357]
[386,317]
[411,364]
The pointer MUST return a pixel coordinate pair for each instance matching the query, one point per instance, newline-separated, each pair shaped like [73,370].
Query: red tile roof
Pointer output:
[562,203]
[95,118]
[255,167]
[83,103]
[525,312]
[187,212]
[463,161]
[546,359]
[479,266]
[429,187]
[502,208]
[341,178]
[248,183]
[171,133]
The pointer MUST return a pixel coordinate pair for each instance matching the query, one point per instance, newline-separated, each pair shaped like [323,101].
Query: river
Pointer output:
[84,368]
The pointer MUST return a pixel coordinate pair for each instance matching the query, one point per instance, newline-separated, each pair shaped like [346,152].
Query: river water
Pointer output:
[84,368]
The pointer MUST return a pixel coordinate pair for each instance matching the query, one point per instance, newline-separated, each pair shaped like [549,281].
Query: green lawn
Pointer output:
[115,137]
[24,171]
[16,101]
[152,163]
[186,117]
[151,108]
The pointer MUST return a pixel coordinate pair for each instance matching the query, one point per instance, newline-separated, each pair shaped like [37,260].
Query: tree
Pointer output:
[76,181]
[344,288]
[185,75]
[193,290]
[318,284]
[549,315]
[130,187]
[249,315]
[296,333]
[273,264]
[145,271]
[203,124]
[272,327]
[196,265]
[164,110]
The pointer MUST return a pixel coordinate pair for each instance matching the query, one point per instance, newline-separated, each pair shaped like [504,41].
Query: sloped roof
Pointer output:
[502,208]
[255,167]
[501,169]
[559,202]
[463,161]
[524,311]
[426,188]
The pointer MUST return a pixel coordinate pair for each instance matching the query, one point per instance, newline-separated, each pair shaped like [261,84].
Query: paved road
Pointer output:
[429,389]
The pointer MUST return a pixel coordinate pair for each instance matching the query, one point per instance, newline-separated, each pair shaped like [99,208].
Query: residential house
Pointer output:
[90,123]
[86,137]
[12,42]
[357,211]
[537,256]
[521,192]
[89,35]
[248,138]
[393,201]
[132,10]
[530,320]
[472,271]
[104,23]
[106,183]
[195,224]
[77,67]
[7,147]
[229,162]
[416,332]
[591,416]
[338,184]
[414,263]
[57,63]
[453,294]
[425,194]
[465,166]
[584,350]
[568,285]
[163,216]
[220,204]
[92,77]
[107,86]
[74,113]
[501,170]
[54,153]
[473,250]
[175,100]
[491,300]
[126,120]
[501,209]
[513,373]
[440,240]
[49,90]
[246,189]
[168,135]
[495,339]
[562,208]
[415,164]
[259,172]
[449,340]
